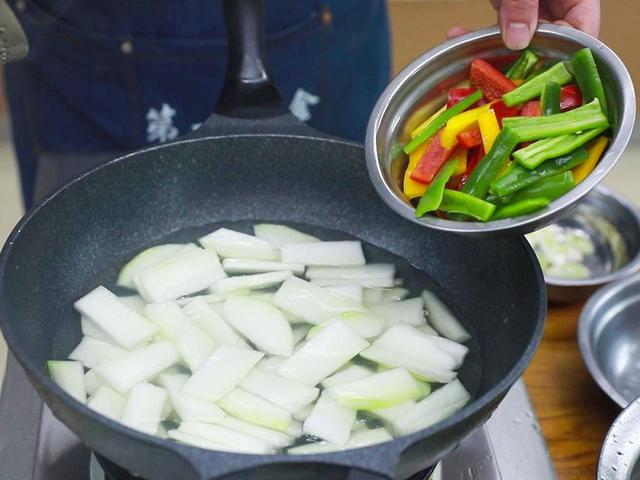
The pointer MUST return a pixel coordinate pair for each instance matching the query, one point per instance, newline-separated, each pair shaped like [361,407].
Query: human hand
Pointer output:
[518,18]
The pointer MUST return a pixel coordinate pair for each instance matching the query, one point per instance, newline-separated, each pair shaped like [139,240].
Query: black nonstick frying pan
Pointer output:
[252,162]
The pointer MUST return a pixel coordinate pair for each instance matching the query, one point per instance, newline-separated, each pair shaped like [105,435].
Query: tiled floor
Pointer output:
[624,178]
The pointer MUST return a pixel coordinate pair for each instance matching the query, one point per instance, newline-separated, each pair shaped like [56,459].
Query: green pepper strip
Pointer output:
[533,88]
[550,99]
[577,120]
[459,202]
[522,207]
[549,188]
[523,65]
[489,167]
[543,68]
[536,153]
[432,197]
[520,177]
[588,78]
[441,120]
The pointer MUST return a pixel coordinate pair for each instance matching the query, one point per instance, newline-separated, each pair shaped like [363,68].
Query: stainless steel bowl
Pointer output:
[612,223]
[446,65]
[621,448]
[609,339]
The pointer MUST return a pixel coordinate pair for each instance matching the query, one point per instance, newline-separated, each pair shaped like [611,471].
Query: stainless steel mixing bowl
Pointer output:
[446,65]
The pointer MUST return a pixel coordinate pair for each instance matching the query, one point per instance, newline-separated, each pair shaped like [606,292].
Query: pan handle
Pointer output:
[249,101]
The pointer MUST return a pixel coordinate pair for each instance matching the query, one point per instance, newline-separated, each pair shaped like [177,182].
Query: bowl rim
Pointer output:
[631,267]
[588,316]
[525,223]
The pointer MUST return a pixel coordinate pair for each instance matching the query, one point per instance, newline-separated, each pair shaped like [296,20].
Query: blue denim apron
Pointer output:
[110,76]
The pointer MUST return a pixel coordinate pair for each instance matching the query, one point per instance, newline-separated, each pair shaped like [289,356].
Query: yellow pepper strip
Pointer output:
[489,128]
[411,188]
[595,150]
[459,124]
[461,156]
[426,123]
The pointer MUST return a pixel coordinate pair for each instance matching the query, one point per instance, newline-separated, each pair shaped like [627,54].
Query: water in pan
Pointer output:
[414,280]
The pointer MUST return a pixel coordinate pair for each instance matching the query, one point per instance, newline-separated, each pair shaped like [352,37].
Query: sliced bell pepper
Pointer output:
[461,154]
[470,138]
[489,167]
[465,204]
[549,188]
[410,187]
[541,68]
[490,80]
[588,78]
[533,88]
[457,94]
[520,207]
[531,109]
[595,151]
[460,123]
[502,62]
[550,99]
[519,177]
[586,117]
[570,97]
[523,65]
[536,153]
[489,128]
[428,121]
[502,111]
[434,157]
[432,197]
[441,120]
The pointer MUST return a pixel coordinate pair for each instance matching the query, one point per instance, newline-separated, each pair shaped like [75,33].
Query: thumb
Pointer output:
[518,20]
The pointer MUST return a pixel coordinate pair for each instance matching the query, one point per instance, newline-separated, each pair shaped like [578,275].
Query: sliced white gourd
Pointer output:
[349,290]
[295,430]
[435,407]
[334,254]
[358,439]
[183,275]
[300,331]
[259,280]
[69,375]
[409,311]
[205,317]
[390,415]
[144,408]
[262,323]
[135,303]
[211,298]
[194,346]
[238,441]
[91,352]
[364,282]
[90,329]
[256,410]
[274,438]
[314,448]
[221,372]
[330,421]
[365,324]
[168,317]
[278,235]
[108,402]
[311,303]
[138,365]
[427,329]
[280,391]
[322,355]
[188,407]
[118,321]
[240,265]
[365,272]
[441,318]
[172,381]
[380,390]
[149,258]
[455,349]
[302,414]
[92,382]
[229,243]
[199,442]
[377,296]
[346,375]
[270,364]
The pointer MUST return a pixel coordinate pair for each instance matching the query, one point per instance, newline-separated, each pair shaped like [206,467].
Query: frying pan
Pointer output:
[252,162]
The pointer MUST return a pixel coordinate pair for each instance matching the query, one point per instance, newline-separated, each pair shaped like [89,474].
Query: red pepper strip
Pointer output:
[491,81]
[458,94]
[502,111]
[470,138]
[432,161]
[570,97]
[502,61]
[531,109]
[475,155]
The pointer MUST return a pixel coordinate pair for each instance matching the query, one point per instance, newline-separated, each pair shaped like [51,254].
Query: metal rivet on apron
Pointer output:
[21,5]
[326,16]
[126,47]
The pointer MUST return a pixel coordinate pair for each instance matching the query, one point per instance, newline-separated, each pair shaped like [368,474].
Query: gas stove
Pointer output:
[36,446]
